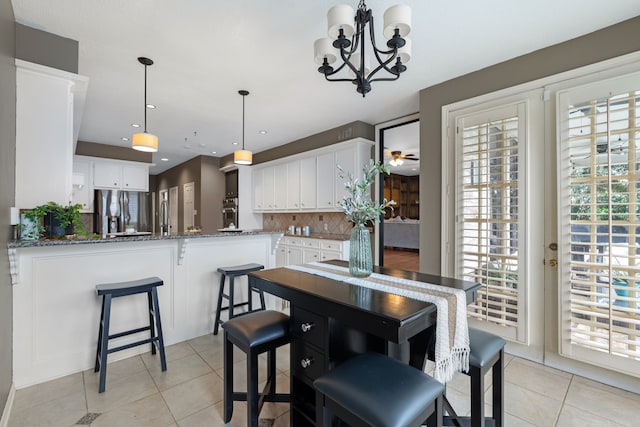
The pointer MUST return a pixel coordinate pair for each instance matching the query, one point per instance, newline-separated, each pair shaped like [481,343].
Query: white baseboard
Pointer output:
[4,421]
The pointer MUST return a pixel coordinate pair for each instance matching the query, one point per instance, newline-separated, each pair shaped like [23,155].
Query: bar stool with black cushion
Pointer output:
[486,352]
[372,389]
[254,333]
[109,291]
[232,273]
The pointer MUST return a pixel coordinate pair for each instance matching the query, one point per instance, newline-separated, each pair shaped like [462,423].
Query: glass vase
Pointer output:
[360,258]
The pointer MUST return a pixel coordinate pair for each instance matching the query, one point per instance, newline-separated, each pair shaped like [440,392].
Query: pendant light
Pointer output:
[145,141]
[243,157]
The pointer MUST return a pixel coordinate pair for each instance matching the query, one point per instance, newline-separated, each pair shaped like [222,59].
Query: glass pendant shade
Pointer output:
[242,157]
[144,142]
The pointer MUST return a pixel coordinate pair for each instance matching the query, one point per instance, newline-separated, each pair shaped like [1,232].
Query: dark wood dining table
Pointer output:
[333,320]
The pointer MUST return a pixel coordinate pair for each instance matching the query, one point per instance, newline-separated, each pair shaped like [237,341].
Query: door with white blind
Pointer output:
[496,236]
[599,223]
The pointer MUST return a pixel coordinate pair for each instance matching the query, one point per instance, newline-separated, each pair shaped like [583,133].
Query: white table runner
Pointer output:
[452,332]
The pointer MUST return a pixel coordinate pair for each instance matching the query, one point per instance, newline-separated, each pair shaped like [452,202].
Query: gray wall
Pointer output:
[47,49]
[318,140]
[7,188]
[604,44]
[209,190]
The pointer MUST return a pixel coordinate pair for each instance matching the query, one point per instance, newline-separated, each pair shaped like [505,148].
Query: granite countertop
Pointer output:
[133,238]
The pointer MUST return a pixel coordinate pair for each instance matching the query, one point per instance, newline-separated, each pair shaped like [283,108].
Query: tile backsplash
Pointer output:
[320,222]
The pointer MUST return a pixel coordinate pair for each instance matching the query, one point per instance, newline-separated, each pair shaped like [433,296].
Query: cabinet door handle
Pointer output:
[305,363]
[306,327]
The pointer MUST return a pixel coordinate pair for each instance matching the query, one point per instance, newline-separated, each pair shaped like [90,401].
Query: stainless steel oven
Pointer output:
[230,212]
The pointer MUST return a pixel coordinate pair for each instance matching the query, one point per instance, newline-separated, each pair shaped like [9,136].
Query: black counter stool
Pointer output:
[372,389]
[486,352]
[254,333]
[114,290]
[232,273]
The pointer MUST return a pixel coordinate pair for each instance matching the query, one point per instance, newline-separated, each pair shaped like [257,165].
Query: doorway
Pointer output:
[399,231]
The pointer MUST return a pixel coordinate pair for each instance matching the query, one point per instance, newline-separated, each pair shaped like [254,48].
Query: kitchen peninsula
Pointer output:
[56,311]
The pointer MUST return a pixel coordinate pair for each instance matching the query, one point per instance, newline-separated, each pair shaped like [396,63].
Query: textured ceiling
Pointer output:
[206,50]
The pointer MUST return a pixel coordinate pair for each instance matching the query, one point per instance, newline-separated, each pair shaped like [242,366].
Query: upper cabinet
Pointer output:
[120,175]
[308,181]
[49,106]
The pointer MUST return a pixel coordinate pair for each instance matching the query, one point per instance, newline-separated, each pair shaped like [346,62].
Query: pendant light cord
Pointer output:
[145,98]
[243,97]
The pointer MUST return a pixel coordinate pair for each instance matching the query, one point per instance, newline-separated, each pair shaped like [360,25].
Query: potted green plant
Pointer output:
[361,209]
[53,220]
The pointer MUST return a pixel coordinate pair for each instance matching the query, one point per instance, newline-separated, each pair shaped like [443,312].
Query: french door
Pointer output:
[552,172]
[494,188]
[599,223]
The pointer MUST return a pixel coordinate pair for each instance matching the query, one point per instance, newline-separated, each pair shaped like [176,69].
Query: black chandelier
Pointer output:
[348,34]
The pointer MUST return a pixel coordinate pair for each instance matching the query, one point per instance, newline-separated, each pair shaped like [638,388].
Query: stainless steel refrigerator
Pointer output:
[122,213]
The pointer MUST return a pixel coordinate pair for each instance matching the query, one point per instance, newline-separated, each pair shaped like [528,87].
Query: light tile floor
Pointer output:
[189,393]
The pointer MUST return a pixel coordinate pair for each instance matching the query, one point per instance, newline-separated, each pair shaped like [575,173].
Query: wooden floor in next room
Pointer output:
[405,259]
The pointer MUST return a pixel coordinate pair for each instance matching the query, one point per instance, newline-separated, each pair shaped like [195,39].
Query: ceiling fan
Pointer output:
[397,158]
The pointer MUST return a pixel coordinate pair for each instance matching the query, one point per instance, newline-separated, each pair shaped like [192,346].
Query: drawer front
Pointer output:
[307,361]
[331,245]
[293,241]
[327,255]
[309,327]
[311,243]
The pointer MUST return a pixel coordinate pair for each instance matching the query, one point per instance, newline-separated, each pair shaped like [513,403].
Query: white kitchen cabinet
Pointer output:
[135,178]
[325,179]
[334,249]
[347,160]
[308,183]
[107,175]
[82,188]
[300,250]
[294,255]
[49,106]
[257,176]
[280,187]
[117,175]
[268,188]
[293,185]
[281,255]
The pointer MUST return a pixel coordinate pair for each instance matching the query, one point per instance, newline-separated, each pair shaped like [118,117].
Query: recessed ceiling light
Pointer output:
[262,132]
[187,147]
[235,143]
[213,152]
[414,169]
[202,145]
[135,125]
[124,138]
[151,106]
[164,159]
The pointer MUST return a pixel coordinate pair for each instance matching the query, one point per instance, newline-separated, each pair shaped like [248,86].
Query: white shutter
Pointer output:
[599,223]
[490,213]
